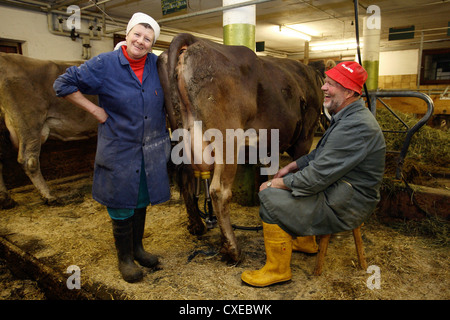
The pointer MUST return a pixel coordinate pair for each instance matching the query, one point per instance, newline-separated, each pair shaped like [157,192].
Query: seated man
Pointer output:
[333,188]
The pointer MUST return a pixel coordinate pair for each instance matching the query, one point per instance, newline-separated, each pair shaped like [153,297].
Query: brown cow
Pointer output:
[229,87]
[32,113]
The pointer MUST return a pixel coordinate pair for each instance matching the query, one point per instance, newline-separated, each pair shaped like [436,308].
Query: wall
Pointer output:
[31,28]
[399,62]
[399,71]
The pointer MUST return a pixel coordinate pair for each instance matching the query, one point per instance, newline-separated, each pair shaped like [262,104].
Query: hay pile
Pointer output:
[426,164]
[428,146]
[427,161]
[79,233]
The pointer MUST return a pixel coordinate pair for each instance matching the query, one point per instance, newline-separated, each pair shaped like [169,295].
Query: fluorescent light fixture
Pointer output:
[304,29]
[287,31]
[334,45]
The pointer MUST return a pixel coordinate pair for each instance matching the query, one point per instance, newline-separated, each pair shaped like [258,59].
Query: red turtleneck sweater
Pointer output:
[136,65]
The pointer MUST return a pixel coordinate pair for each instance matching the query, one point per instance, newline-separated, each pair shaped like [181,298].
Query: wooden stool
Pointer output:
[323,245]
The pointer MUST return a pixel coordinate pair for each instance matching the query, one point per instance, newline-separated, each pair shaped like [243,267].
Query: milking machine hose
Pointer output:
[208,215]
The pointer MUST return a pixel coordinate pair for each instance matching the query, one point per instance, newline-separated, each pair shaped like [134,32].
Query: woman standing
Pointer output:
[133,147]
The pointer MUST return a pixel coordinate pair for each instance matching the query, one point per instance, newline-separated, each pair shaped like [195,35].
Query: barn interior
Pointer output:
[412,41]
[413,56]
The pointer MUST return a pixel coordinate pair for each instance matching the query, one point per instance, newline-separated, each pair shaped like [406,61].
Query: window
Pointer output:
[10,46]
[435,67]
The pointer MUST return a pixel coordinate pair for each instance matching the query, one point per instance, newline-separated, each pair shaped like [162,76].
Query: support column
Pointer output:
[239,30]
[306,54]
[371,49]
[239,25]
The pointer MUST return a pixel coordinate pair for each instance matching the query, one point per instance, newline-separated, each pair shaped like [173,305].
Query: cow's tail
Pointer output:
[177,46]
[181,173]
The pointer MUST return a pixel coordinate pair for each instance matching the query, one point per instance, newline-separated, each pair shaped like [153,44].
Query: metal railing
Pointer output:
[377,95]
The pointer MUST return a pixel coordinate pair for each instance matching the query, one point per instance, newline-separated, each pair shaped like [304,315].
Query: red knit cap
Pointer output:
[350,75]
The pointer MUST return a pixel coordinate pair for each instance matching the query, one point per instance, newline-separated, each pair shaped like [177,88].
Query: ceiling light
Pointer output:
[304,29]
[335,45]
[287,31]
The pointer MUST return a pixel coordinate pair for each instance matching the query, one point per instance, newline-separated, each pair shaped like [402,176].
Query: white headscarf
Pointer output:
[140,17]
[137,18]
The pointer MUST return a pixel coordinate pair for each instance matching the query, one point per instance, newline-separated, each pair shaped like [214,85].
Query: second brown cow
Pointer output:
[30,113]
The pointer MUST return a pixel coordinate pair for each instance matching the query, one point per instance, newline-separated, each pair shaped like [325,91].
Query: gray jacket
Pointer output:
[337,186]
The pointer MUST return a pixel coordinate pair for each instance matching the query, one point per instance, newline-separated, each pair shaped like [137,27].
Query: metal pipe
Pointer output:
[202,12]
[332,16]
[45,7]
[31,2]
[28,5]
[213,10]
[51,27]
[67,33]
[422,30]
[419,63]
[90,15]
[94,4]
[410,132]
[64,3]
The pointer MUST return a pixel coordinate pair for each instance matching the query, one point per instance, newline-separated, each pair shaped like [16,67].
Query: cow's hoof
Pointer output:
[53,202]
[233,257]
[6,202]
[197,229]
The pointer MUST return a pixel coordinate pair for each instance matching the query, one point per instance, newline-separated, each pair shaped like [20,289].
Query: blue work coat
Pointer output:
[134,131]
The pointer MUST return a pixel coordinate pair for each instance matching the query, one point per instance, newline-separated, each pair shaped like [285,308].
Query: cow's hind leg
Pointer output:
[186,185]
[33,171]
[220,190]
[28,157]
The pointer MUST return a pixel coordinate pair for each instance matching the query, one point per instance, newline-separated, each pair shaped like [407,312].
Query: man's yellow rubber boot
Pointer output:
[278,246]
[306,244]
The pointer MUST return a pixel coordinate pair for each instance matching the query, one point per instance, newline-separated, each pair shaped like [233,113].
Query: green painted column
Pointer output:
[371,49]
[239,30]
[239,25]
